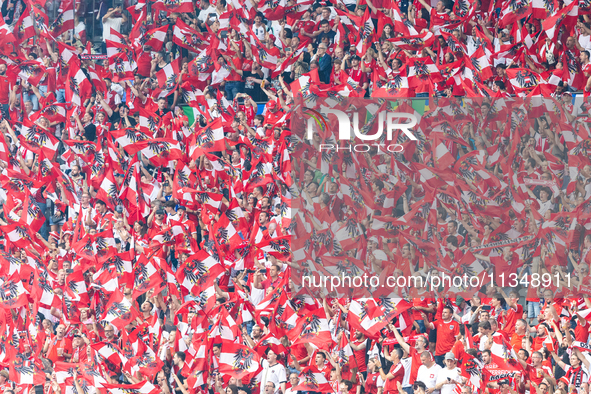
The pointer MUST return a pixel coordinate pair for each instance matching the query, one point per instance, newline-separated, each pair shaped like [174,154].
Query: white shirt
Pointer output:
[452,374]
[80,27]
[406,363]
[585,42]
[259,31]
[208,13]
[429,375]
[111,23]
[275,374]
[256,295]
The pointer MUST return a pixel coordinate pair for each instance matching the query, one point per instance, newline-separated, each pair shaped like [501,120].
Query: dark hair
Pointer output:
[144,229]
[419,385]
[181,355]
[348,383]
[526,353]
[448,308]
[547,190]
[452,239]
[485,325]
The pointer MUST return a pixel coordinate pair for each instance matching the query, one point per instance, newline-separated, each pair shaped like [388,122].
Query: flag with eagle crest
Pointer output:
[209,139]
[311,379]
[188,38]
[119,310]
[173,5]
[12,292]
[198,273]
[159,151]
[312,328]
[24,28]
[38,139]
[168,79]
[78,87]
[64,19]
[153,38]
[238,360]
[522,79]
[143,387]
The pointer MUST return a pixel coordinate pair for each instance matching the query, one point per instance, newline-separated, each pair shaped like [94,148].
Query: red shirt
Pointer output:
[390,387]
[439,18]
[446,335]
[4,89]
[516,341]
[415,364]
[64,343]
[532,374]
[511,318]
[234,76]
[360,356]
[505,271]
[371,383]
[582,331]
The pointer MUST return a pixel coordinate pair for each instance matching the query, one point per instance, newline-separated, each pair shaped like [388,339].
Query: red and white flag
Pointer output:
[311,379]
[238,361]
[154,38]
[173,5]
[144,387]
[184,36]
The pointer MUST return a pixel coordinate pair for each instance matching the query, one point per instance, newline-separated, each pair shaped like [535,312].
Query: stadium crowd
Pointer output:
[148,239]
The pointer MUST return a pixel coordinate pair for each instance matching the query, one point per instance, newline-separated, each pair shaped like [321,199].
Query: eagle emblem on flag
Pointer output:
[526,79]
[243,360]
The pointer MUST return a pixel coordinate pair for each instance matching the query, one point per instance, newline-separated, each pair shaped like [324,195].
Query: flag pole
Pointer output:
[74,16]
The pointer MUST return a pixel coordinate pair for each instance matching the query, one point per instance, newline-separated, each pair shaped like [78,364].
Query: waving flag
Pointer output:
[144,387]
[312,328]
[311,379]
[208,139]
[168,78]
[119,310]
[173,5]
[64,20]
[238,360]
[188,38]
[154,38]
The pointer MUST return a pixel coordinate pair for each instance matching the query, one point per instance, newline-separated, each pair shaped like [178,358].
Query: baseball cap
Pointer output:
[459,300]
[271,104]
[119,208]
[505,31]
[449,356]
[181,208]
